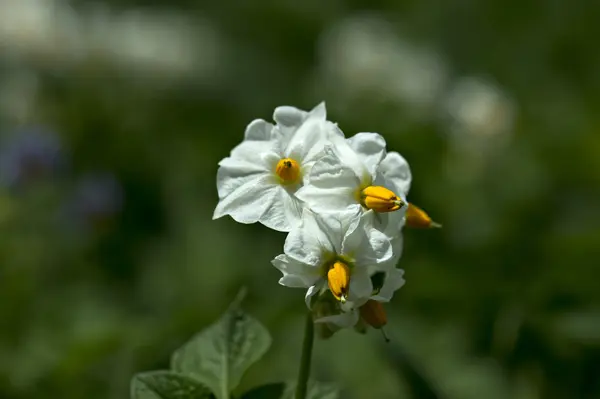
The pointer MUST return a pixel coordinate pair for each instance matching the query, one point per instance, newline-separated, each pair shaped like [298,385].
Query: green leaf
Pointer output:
[316,390]
[219,355]
[167,385]
[268,391]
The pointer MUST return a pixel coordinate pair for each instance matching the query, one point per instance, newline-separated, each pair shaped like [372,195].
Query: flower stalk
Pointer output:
[305,360]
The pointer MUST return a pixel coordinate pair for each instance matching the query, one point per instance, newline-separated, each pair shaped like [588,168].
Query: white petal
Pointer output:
[295,274]
[391,223]
[259,129]
[248,202]
[308,142]
[368,246]
[327,199]
[361,286]
[375,250]
[331,185]
[336,224]
[254,152]
[397,248]
[393,281]
[355,236]
[319,235]
[285,213]
[312,291]
[370,147]
[306,242]
[248,160]
[287,116]
[350,158]
[344,319]
[319,111]
[288,119]
[395,171]
[270,160]
[234,173]
[397,245]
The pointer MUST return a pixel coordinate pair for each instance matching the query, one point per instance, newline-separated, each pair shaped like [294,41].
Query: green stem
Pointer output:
[307,345]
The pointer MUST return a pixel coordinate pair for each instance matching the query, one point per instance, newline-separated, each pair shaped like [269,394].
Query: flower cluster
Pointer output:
[342,202]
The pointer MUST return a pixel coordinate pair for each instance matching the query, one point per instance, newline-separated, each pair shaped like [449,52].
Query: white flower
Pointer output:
[258,181]
[335,250]
[387,280]
[358,173]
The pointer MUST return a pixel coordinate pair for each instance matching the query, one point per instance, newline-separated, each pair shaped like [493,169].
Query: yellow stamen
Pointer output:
[418,218]
[373,314]
[288,170]
[380,199]
[338,278]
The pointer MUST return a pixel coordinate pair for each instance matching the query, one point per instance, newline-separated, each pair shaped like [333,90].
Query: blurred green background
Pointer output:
[114,114]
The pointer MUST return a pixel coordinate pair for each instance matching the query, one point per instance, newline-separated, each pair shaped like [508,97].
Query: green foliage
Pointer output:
[267,391]
[221,354]
[167,385]
[316,390]
[213,362]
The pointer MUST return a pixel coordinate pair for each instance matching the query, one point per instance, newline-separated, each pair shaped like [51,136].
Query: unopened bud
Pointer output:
[380,199]
[418,218]
[373,314]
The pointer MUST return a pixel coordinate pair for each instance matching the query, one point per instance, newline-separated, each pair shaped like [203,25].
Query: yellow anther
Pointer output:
[380,199]
[338,278]
[418,218]
[373,314]
[288,170]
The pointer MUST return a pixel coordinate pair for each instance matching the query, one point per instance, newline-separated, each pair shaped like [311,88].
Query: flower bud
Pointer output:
[338,278]
[373,314]
[380,199]
[418,218]
[288,170]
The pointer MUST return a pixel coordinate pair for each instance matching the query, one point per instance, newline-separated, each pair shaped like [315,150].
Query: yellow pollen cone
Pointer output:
[288,170]
[380,199]
[418,218]
[373,314]
[338,278]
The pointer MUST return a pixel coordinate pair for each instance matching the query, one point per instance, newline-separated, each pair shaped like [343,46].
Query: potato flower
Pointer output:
[358,173]
[336,251]
[259,180]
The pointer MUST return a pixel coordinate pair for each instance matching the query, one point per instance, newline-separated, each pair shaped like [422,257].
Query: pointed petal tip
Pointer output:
[217,214]
[319,110]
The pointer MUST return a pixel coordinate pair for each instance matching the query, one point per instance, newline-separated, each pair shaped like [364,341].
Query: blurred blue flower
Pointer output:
[28,155]
[97,198]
